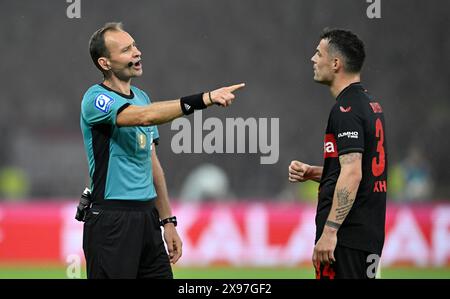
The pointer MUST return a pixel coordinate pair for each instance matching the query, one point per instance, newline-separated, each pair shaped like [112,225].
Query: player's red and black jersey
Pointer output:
[356,124]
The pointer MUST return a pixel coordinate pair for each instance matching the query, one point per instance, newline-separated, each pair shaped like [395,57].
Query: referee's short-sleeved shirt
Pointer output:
[119,158]
[356,124]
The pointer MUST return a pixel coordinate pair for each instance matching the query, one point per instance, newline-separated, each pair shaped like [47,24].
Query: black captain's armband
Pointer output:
[191,103]
[172,219]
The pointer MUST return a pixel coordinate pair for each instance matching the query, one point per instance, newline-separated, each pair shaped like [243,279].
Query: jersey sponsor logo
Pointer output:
[376,107]
[348,109]
[103,103]
[348,135]
[330,147]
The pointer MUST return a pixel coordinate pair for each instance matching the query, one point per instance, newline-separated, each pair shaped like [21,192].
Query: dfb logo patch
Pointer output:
[103,103]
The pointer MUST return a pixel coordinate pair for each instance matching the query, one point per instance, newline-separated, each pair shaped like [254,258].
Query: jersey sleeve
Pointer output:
[348,129]
[102,108]
[155,135]
[155,132]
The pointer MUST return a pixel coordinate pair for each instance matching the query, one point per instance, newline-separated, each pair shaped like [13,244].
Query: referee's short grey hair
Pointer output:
[97,47]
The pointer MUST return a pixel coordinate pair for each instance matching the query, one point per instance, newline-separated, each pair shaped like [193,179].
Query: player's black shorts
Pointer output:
[123,240]
[350,264]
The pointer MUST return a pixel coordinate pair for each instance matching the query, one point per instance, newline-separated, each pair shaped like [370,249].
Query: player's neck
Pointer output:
[340,83]
[118,85]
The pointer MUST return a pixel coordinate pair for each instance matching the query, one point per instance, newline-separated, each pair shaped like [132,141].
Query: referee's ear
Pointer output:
[103,62]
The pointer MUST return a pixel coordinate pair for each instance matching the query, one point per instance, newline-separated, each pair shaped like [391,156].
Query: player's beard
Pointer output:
[322,79]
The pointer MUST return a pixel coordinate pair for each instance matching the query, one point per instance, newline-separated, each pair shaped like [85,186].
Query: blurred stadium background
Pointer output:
[238,218]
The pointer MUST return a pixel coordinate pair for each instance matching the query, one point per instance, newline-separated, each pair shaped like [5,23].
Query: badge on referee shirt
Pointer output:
[103,103]
[142,140]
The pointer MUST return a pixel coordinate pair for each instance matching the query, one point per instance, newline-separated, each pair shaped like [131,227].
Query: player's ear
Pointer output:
[104,63]
[337,64]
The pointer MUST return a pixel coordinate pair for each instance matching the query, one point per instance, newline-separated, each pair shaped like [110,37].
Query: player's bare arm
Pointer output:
[344,196]
[166,111]
[301,172]
[173,240]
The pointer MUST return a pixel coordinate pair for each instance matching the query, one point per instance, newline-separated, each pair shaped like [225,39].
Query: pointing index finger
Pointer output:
[235,87]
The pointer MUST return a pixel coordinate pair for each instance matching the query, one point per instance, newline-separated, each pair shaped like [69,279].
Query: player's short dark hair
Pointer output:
[97,46]
[348,45]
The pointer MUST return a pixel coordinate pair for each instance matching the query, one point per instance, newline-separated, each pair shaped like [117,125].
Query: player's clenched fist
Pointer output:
[298,171]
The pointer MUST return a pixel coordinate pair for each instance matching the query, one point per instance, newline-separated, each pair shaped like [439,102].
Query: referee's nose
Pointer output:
[136,52]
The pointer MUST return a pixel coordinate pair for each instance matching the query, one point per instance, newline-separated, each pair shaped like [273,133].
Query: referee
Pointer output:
[351,210]
[122,235]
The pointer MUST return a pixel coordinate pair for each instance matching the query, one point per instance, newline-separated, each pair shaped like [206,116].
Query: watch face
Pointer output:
[169,220]
[173,220]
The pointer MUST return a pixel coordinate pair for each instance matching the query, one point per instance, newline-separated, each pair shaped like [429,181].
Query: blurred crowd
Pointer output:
[409,180]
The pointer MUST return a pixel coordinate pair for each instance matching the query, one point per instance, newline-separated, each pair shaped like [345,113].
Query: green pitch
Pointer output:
[301,273]
[55,271]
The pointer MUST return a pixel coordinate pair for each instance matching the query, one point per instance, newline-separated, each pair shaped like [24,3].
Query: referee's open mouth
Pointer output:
[137,64]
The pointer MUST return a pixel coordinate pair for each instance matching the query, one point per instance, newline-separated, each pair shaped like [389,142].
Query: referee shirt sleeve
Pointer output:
[102,108]
[154,129]
[155,135]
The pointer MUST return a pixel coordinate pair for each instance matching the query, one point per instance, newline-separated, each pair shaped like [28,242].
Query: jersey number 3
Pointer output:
[379,164]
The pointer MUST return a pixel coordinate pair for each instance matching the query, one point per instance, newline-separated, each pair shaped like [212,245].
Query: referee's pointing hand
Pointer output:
[223,96]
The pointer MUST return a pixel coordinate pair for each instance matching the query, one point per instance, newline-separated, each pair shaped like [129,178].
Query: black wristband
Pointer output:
[191,103]
[332,224]
[172,219]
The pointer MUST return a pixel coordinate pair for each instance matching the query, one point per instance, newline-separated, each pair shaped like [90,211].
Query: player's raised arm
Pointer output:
[166,111]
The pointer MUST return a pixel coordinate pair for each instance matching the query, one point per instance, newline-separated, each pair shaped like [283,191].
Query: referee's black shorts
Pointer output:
[122,239]
[350,264]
